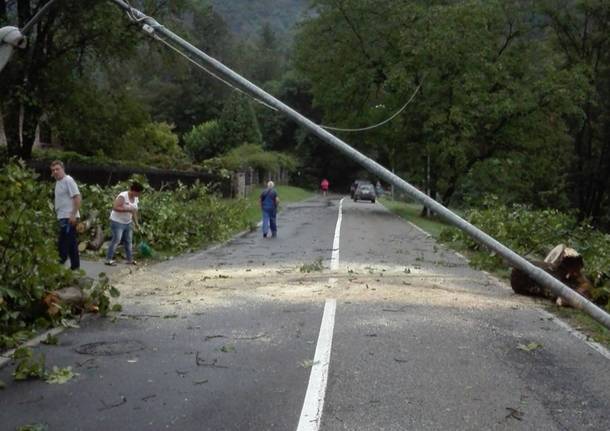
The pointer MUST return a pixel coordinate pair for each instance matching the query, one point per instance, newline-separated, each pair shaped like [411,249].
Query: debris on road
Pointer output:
[112,406]
[203,363]
[60,376]
[529,347]
[514,413]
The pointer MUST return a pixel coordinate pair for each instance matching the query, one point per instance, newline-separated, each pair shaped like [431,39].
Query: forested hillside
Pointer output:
[245,17]
[513,101]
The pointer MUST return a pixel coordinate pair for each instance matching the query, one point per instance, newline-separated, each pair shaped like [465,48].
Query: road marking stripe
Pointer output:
[334,259]
[311,414]
[419,229]
[595,346]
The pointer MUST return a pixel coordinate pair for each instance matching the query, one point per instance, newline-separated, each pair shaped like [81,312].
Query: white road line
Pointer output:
[311,414]
[419,229]
[595,346]
[334,259]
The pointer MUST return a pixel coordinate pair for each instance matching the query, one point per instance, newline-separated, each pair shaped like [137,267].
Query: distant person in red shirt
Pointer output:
[324,186]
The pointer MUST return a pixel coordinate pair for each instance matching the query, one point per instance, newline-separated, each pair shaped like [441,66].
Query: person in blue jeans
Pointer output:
[269,202]
[122,217]
[67,205]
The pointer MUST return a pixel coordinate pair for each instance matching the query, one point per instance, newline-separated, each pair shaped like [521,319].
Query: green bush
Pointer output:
[92,121]
[204,141]
[28,258]
[254,156]
[154,144]
[188,217]
[533,233]
[150,144]
[171,220]
[50,154]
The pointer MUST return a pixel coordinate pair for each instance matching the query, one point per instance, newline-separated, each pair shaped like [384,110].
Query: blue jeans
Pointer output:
[121,232]
[67,244]
[269,219]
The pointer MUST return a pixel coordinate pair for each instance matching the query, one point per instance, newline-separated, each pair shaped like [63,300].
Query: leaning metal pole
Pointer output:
[153,27]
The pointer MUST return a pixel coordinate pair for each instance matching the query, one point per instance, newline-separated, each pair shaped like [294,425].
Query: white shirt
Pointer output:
[124,217]
[65,190]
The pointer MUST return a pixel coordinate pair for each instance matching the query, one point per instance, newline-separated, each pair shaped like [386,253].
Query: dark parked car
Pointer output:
[354,186]
[365,192]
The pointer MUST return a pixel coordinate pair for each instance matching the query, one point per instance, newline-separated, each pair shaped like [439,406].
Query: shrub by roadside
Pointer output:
[533,233]
[172,221]
[28,257]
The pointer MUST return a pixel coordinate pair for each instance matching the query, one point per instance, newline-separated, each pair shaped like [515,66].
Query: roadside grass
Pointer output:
[434,225]
[584,323]
[412,213]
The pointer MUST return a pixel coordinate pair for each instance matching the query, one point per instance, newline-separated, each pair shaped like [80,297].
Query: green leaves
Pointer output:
[534,233]
[314,266]
[205,141]
[33,427]
[31,367]
[51,340]
[28,366]
[154,144]
[28,256]
[529,347]
[100,293]
[59,376]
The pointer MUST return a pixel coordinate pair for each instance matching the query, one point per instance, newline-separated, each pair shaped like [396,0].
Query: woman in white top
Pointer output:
[123,215]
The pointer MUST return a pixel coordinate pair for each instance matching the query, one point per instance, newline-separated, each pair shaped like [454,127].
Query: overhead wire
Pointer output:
[30,24]
[209,72]
[387,120]
[132,16]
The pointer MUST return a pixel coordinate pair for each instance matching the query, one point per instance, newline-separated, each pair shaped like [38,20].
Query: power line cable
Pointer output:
[374,126]
[28,26]
[189,58]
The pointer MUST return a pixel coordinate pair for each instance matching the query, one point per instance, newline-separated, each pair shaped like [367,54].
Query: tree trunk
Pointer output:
[20,125]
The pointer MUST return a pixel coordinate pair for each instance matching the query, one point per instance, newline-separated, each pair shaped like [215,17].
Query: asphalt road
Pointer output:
[227,338]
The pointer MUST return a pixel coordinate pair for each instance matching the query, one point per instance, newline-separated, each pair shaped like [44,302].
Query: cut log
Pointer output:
[67,297]
[97,240]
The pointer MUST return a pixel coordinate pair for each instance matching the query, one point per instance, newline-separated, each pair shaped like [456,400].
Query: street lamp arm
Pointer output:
[13,37]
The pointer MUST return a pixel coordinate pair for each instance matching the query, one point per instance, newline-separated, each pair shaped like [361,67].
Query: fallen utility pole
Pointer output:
[151,26]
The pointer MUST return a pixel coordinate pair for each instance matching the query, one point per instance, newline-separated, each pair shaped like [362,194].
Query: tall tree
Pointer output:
[174,89]
[67,45]
[581,32]
[489,87]
[238,123]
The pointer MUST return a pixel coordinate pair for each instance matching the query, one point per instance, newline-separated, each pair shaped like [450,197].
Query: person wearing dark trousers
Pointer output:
[269,202]
[67,206]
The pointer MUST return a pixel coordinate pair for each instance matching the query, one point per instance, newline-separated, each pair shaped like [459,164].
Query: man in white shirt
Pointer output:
[67,205]
[122,217]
